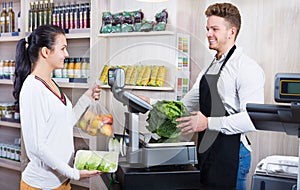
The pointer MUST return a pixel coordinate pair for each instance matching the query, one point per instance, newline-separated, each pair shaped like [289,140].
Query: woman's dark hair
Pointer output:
[27,53]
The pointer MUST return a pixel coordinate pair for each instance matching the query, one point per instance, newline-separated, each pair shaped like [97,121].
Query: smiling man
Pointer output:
[217,103]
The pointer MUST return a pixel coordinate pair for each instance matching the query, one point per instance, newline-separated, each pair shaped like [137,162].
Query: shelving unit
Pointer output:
[10,164]
[101,49]
[136,34]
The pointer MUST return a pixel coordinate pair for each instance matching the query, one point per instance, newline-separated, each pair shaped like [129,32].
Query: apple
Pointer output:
[106,129]
[83,124]
[92,131]
[96,123]
[107,119]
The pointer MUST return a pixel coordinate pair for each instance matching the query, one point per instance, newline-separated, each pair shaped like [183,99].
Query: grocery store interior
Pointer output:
[169,36]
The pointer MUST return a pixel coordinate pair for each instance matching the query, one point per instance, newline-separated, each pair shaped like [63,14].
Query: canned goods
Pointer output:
[85,67]
[77,68]
[18,154]
[7,110]
[71,68]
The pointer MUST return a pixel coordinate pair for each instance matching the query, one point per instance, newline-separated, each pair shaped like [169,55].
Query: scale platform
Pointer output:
[162,154]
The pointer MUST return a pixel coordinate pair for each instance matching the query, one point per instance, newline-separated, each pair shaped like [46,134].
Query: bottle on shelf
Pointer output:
[50,11]
[19,21]
[45,12]
[35,15]
[87,15]
[62,17]
[3,16]
[76,16]
[51,7]
[67,16]
[31,17]
[40,13]
[10,18]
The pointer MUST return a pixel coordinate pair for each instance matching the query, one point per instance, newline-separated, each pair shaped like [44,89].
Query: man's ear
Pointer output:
[45,52]
[233,31]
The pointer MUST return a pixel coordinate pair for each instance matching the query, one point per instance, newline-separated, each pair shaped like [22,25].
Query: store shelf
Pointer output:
[136,34]
[78,36]
[151,88]
[73,85]
[61,84]
[10,124]
[5,81]
[10,38]
[10,164]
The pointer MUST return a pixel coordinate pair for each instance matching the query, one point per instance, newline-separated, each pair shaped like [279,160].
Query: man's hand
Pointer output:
[146,99]
[87,174]
[195,123]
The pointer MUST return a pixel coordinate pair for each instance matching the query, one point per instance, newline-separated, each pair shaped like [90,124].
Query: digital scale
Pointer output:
[170,165]
[281,118]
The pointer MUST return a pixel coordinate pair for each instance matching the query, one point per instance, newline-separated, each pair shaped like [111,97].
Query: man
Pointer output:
[221,92]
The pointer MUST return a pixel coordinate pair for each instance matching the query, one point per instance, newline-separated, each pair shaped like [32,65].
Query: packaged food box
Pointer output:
[103,161]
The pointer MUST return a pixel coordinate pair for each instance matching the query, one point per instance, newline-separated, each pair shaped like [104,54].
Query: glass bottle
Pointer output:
[50,10]
[41,13]
[3,18]
[62,17]
[10,18]
[35,15]
[45,12]
[76,16]
[30,17]
[87,14]
[72,13]
[67,17]
[19,21]
[53,19]
[82,20]
[58,9]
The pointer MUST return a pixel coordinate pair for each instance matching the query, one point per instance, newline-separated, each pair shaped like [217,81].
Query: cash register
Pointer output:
[281,118]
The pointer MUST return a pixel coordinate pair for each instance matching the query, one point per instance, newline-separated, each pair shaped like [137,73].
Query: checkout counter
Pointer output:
[279,172]
[149,165]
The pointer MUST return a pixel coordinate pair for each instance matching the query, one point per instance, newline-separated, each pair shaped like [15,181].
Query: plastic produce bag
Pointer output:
[96,119]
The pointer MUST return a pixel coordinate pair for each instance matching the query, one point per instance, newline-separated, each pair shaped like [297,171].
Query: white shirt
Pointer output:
[241,81]
[47,128]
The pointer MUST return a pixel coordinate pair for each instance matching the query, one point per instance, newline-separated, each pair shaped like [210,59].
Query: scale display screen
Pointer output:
[290,87]
[287,87]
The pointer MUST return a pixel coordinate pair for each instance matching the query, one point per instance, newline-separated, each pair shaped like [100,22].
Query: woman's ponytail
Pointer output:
[22,69]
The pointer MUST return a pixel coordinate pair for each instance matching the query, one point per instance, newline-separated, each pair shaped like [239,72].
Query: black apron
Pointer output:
[218,154]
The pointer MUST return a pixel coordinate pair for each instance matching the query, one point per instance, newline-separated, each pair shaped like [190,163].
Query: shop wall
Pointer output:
[270,35]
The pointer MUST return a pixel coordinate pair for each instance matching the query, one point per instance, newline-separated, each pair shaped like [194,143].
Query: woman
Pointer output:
[47,116]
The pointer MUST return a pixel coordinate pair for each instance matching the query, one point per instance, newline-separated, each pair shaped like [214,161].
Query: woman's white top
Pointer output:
[47,128]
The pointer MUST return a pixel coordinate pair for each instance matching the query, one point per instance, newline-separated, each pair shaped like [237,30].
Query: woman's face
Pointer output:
[59,52]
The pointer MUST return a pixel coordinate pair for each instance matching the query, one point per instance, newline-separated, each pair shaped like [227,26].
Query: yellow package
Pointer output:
[146,76]
[140,76]
[103,77]
[153,76]
[133,75]
[160,80]
[128,74]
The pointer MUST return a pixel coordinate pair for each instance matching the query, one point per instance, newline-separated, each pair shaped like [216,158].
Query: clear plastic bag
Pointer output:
[96,119]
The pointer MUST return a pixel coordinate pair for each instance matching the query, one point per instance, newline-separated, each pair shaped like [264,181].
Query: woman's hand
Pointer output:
[96,92]
[195,123]
[88,174]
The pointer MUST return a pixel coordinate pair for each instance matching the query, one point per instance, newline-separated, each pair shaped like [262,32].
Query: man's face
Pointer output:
[219,34]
